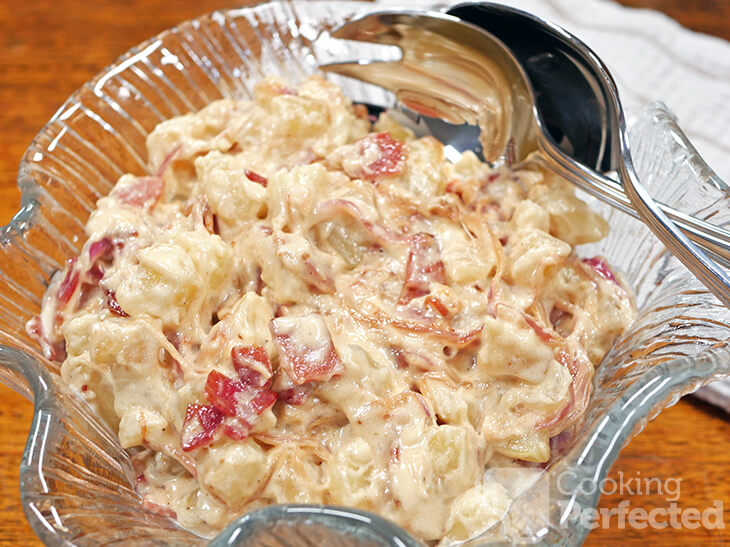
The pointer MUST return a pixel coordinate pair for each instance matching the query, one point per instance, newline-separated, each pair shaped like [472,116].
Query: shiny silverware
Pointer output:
[453,70]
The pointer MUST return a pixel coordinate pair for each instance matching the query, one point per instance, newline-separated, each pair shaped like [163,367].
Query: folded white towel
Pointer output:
[717,393]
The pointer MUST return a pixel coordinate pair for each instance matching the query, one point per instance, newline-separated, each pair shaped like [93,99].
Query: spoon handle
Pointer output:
[713,239]
[663,154]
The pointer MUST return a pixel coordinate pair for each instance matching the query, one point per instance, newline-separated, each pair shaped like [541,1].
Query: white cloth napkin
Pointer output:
[653,58]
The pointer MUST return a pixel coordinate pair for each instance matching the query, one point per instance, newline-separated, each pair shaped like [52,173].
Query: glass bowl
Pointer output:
[77,482]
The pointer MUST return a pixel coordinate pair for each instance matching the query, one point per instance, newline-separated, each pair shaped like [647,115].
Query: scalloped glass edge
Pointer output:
[77,482]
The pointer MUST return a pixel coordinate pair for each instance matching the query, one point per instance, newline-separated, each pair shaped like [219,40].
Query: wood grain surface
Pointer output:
[48,48]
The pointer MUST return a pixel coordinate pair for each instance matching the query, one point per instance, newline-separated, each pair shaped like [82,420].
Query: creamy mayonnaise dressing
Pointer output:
[303,306]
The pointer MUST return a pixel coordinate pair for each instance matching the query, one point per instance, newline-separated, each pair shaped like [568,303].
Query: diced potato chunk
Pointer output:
[509,349]
[234,471]
[475,511]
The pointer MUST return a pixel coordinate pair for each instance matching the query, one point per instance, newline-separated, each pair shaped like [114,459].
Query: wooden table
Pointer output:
[50,47]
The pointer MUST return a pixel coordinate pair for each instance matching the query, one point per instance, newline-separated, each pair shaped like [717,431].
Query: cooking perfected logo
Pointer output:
[537,501]
[629,513]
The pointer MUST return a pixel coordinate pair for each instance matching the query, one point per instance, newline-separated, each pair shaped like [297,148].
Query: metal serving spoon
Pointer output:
[453,70]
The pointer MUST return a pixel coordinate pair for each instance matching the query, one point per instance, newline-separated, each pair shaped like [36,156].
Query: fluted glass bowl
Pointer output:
[77,482]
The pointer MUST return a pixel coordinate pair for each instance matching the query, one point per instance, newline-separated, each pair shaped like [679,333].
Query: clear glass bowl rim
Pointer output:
[659,388]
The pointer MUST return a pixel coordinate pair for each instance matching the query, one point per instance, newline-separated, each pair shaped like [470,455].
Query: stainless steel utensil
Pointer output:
[455,71]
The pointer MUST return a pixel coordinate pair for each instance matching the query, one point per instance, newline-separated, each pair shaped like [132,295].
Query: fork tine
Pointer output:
[418,90]
[449,70]
[381,27]
[363,29]
[353,69]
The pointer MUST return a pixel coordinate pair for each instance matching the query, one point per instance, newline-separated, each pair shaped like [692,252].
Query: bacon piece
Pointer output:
[255,177]
[405,359]
[68,286]
[176,338]
[57,351]
[437,305]
[387,156]
[460,189]
[210,221]
[144,192]
[323,282]
[94,274]
[239,403]
[236,428]
[54,350]
[399,356]
[113,304]
[296,395]
[221,392]
[424,267]
[155,507]
[278,89]
[561,443]
[100,249]
[201,423]
[601,267]
[249,361]
[263,400]
[542,333]
[208,217]
[306,352]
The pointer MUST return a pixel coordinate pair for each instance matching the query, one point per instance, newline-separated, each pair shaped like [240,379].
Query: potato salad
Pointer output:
[305,304]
